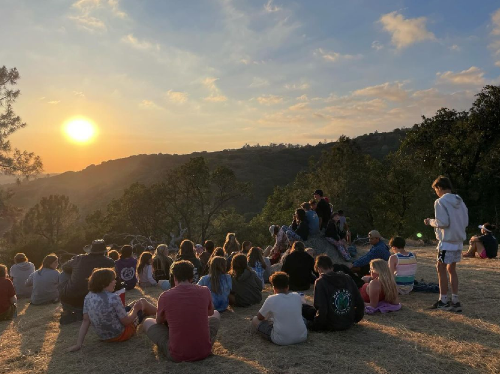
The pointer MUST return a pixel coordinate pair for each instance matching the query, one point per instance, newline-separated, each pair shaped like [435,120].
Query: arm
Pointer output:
[321,304]
[13,299]
[393,261]
[68,266]
[29,281]
[359,304]
[84,328]
[284,267]
[442,219]
[374,293]
[149,275]
[260,317]
[132,315]
[364,260]
[210,305]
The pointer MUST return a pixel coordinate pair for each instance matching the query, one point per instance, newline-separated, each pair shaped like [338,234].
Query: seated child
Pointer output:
[145,272]
[112,321]
[486,245]
[45,282]
[285,308]
[8,297]
[257,263]
[247,286]
[218,282]
[403,265]
[19,273]
[380,285]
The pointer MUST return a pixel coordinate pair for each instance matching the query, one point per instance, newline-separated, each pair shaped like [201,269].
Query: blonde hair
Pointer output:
[386,279]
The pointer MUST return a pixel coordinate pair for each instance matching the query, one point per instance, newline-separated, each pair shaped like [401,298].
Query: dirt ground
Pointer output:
[413,340]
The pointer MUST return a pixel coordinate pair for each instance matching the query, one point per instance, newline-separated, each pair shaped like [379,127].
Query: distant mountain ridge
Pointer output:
[265,167]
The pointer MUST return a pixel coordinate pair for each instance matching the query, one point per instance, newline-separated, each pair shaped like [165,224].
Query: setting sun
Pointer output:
[80,130]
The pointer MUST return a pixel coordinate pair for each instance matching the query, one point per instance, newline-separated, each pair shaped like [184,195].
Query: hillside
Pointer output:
[264,167]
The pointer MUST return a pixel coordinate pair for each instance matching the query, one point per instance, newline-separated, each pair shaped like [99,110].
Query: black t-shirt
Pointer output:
[323,211]
[490,245]
[299,266]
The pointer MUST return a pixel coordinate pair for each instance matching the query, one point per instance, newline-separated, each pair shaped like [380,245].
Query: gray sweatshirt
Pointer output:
[19,274]
[452,218]
[44,282]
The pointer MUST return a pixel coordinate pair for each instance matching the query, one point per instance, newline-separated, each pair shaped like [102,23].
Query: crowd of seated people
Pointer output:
[201,282]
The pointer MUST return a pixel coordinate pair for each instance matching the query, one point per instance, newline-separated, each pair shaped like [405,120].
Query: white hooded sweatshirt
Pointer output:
[452,218]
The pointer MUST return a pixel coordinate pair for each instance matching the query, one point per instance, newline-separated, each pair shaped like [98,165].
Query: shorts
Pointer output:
[449,257]
[126,334]
[265,329]
[483,254]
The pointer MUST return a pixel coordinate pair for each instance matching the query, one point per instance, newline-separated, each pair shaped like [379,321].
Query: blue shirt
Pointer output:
[221,299]
[313,220]
[379,250]
[259,270]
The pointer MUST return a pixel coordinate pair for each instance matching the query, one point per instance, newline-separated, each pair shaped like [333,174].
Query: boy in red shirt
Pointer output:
[8,297]
[186,323]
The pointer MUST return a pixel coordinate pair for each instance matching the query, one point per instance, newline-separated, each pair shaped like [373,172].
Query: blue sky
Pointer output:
[184,76]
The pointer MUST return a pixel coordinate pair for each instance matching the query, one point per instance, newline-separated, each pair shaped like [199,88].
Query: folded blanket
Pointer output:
[383,307]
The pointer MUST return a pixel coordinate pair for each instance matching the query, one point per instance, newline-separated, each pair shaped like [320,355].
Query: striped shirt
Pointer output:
[406,268]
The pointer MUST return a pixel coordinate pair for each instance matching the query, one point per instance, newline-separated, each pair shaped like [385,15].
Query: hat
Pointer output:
[318,192]
[98,246]
[199,249]
[271,229]
[486,227]
[374,234]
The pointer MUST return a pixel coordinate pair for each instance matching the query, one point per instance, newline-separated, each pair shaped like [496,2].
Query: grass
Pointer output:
[413,340]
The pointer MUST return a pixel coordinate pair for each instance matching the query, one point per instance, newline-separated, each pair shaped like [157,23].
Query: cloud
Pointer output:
[497,63]
[270,7]
[88,23]
[455,48]
[331,56]
[376,45]
[259,82]
[302,98]
[54,102]
[407,31]
[115,9]
[269,99]
[137,44]
[389,91]
[215,94]
[470,77]
[299,106]
[495,20]
[177,97]
[297,86]
[79,94]
[148,104]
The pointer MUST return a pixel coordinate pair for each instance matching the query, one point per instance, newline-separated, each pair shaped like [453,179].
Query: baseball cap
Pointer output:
[374,234]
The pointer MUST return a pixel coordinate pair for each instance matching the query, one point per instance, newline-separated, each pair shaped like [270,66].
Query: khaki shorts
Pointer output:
[159,335]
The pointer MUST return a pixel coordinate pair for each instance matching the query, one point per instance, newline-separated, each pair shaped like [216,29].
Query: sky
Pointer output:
[158,76]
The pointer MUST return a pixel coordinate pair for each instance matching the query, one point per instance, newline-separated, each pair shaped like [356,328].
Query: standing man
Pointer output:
[451,220]
[322,209]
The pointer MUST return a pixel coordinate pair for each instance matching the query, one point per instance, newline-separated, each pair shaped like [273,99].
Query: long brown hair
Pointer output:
[231,244]
[47,261]
[254,255]
[238,265]
[143,261]
[217,267]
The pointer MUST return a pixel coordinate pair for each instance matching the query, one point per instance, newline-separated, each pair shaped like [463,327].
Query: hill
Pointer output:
[263,166]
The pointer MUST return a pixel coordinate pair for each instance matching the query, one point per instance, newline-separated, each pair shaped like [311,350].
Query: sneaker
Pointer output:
[456,307]
[440,305]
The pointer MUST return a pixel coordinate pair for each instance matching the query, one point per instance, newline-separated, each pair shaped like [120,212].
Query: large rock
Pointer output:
[321,246]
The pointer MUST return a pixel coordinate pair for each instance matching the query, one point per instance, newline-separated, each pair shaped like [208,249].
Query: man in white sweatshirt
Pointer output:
[451,220]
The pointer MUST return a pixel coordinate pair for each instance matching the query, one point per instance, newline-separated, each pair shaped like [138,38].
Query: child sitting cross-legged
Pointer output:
[285,308]
[112,321]
[218,282]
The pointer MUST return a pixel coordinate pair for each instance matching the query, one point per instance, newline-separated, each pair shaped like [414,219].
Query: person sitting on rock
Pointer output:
[335,236]
[299,229]
[378,250]
[312,218]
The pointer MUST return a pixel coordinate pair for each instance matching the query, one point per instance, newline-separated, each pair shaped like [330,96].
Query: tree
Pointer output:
[13,162]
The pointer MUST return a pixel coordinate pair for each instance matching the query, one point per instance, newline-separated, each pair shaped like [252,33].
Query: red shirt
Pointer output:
[185,308]
[6,292]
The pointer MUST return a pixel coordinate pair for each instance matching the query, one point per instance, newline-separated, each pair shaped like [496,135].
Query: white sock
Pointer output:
[454,298]
[443,298]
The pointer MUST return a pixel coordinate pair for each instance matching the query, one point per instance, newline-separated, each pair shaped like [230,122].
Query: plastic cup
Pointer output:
[121,293]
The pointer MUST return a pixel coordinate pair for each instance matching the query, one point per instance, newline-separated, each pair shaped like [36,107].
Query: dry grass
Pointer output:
[413,340]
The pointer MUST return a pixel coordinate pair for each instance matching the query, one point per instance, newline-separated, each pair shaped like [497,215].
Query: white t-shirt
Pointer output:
[286,311]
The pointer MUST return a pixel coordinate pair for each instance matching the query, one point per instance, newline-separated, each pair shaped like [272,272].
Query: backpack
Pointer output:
[158,272]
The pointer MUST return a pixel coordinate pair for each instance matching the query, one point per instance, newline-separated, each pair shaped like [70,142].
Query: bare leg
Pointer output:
[453,277]
[267,251]
[148,322]
[443,278]
[255,323]
[147,308]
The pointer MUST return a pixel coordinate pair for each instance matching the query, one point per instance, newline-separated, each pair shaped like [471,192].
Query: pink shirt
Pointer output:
[185,308]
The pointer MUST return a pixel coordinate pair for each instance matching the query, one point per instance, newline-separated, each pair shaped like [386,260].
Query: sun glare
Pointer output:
[80,130]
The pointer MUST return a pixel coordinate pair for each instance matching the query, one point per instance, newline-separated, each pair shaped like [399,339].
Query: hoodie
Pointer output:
[247,289]
[451,220]
[20,273]
[337,301]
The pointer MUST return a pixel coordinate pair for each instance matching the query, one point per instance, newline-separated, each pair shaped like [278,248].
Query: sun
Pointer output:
[80,130]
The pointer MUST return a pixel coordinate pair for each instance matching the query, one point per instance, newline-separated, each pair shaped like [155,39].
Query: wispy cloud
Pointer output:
[455,48]
[148,104]
[270,99]
[297,86]
[79,94]
[259,82]
[470,77]
[495,20]
[331,56]
[215,95]
[270,7]
[299,106]
[405,31]
[376,45]
[177,97]
[89,23]
[390,91]
[54,102]
[86,17]
[139,44]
